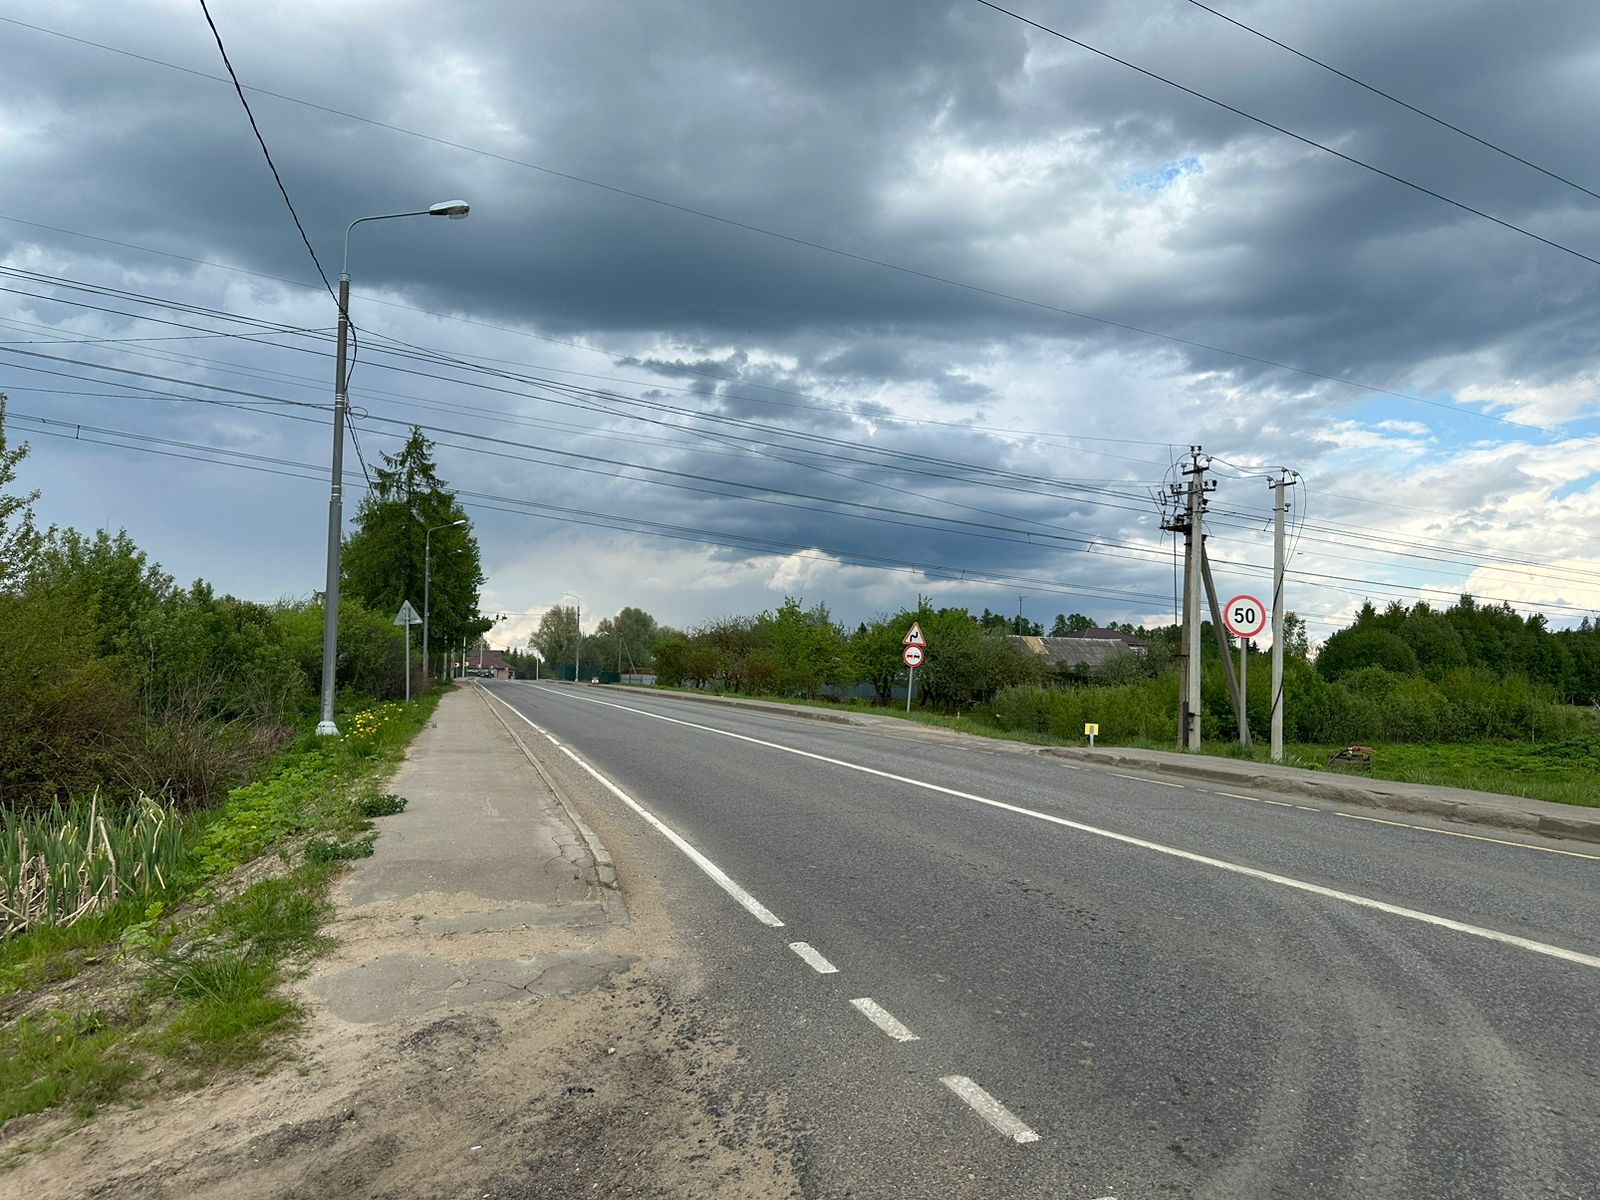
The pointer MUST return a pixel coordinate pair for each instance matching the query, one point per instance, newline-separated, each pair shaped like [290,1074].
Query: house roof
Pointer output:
[1108,635]
[1088,653]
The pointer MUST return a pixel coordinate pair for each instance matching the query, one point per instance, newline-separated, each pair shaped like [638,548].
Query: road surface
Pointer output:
[963,971]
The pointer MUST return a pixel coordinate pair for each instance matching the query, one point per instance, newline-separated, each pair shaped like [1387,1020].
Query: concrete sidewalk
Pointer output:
[1453,804]
[485,888]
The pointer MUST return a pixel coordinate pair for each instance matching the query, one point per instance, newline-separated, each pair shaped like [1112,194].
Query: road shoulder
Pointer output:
[492,1021]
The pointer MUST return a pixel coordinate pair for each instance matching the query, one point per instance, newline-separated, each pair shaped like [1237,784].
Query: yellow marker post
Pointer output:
[1091,729]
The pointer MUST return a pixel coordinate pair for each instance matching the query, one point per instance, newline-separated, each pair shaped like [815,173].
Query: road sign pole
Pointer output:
[408,664]
[1244,696]
[911,680]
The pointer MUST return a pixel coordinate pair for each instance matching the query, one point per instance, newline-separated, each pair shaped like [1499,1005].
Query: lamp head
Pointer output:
[454,209]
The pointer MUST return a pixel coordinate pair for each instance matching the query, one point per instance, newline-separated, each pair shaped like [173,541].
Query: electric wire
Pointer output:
[611,395]
[821,247]
[1301,138]
[1377,91]
[266,153]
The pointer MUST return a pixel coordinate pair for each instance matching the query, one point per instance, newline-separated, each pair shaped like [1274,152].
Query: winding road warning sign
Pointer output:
[914,636]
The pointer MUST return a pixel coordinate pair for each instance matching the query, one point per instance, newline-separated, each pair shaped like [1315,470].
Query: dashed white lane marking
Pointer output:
[1300,885]
[812,959]
[1142,779]
[990,1109]
[1476,837]
[884,1019]
[1278,803]
[755,908]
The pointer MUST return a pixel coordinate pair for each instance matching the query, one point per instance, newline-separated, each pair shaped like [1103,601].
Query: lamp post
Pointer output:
[577,648]
[455,210]
[427,579]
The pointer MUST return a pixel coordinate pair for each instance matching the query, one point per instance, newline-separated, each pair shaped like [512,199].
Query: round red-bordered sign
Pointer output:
[912,656]
[1245,616]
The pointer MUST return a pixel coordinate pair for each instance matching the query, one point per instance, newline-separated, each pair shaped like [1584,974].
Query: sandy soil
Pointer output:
[593,1073]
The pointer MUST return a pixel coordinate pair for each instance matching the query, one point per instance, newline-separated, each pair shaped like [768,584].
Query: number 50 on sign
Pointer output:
[1245,616]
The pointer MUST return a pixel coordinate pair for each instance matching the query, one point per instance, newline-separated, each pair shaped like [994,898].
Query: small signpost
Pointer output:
[1245,617]
[1091,728]
[912,656]
[407,616]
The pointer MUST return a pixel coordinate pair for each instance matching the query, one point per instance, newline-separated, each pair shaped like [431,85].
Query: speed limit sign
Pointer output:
[1245,616]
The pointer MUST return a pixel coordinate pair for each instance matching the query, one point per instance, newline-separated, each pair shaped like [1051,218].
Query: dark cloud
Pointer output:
[941,136]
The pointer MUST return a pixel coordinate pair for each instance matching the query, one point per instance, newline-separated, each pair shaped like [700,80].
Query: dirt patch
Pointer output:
[598,1075]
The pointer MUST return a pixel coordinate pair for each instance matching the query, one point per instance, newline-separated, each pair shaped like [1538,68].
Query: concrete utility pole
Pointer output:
[1279,505]
[1190,524]
[330,596]
[1219,627]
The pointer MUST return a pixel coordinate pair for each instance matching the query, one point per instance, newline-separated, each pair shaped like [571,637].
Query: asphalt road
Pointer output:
[1117,987]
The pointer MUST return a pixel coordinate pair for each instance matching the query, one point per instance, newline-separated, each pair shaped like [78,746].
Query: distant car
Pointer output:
[596,679]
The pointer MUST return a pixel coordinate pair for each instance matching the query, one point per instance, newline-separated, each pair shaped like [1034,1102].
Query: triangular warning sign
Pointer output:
[914,636]
[407,615]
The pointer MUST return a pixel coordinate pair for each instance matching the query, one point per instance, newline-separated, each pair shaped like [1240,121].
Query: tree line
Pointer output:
[116,679]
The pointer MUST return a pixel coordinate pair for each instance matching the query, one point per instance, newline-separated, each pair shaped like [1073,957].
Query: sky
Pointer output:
[852,303]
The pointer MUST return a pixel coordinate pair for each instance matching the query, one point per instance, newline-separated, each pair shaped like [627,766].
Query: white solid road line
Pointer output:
[814,960]
[990,1109]
[884,1020]
[1477,837]
[1315,889]
[755,908]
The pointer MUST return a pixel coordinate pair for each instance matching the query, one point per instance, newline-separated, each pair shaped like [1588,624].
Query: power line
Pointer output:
[1090,539]
[1377,91]
[256,129]
[1301,138]
[821,247]
[441,357]
[1308,576]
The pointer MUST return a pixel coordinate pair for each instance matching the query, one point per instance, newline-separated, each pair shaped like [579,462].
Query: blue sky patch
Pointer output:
[1162,176]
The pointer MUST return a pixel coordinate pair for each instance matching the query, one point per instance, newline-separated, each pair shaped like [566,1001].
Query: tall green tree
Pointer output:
[18,538]
[626,641]
[384,554]
[556,638]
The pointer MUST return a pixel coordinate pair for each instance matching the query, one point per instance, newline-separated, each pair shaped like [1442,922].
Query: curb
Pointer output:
[605,868]
[1335,789]
[1339,790]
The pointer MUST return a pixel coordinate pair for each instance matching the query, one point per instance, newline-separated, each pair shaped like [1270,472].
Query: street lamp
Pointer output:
[427,579]
[455,210]
[577,648]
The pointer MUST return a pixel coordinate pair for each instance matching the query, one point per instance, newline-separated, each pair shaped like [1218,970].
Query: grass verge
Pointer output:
[1561,772]
[171,990]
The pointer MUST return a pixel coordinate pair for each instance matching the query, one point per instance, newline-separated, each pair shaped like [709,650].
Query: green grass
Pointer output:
[187,981]
[1562,772]
[1566,772]
[63,1059]
[386,805]
[326,850]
